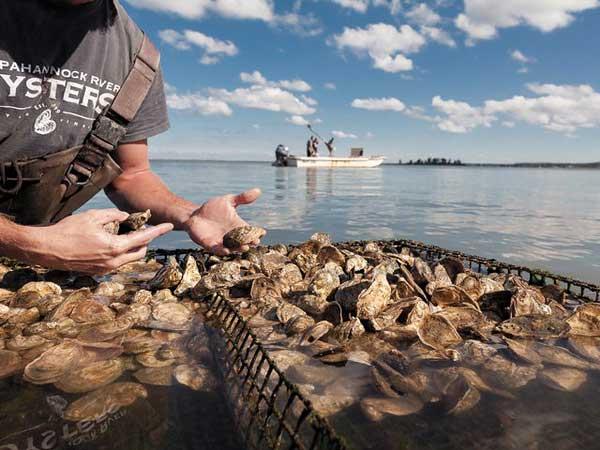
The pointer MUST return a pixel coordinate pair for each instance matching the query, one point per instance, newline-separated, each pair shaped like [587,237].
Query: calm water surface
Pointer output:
[543,218]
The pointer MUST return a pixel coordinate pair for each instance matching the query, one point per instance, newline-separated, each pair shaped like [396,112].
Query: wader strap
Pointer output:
[111,126]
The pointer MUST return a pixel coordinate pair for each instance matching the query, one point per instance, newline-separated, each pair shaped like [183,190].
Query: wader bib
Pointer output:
[45,189]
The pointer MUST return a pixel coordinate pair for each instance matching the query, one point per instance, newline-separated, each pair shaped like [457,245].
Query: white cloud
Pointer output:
[361,6]
[369,135]
[214,49]
[291,85]
[342,135]
[423,15]
[297,120]
[517,55]
[303,25]
[264,97]
[357,5]
[206,106]
[379,104]
[438,35]
[560,108]
[261,94]
[194,9]
[481,19]
[330,86]
[384,43]
[460,116]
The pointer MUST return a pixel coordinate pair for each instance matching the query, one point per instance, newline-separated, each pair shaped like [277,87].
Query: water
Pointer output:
[541,218]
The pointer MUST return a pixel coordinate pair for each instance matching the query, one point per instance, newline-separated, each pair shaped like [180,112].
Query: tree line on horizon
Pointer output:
[433,162]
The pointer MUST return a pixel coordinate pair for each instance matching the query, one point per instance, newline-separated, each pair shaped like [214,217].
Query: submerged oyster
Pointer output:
[195,377]
[91,377]
[536,326]
[461,396]
[172,313]
[239,237]
[99,402]
[51,365]
[563,378]
[157,376]
[10,363]
[375,409]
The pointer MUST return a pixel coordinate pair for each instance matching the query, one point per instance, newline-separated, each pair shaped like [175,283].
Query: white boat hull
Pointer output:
[324,161]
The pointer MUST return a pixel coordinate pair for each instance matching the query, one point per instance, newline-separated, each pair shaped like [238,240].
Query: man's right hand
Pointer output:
[81,244]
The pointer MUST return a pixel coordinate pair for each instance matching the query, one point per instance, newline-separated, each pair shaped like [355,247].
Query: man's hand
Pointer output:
[209,223]
[81,244]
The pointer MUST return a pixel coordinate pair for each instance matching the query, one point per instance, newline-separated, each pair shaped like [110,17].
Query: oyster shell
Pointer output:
[563,378]
[20,343]
[437,332]
[585,321]
[90,377]
[461,396]
[10,363]
[195,377]
[324,283]
[91,312]
[375,409]
[347,330]
[241,236]
[373,300]
[109,289]
[172,313]
[98,403]
[135,222]
[157,376]
[191,276]
[168,276]
[55,362]
[328,253]
[536,326]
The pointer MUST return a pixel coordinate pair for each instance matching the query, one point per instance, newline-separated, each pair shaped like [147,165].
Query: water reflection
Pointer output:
[543,218]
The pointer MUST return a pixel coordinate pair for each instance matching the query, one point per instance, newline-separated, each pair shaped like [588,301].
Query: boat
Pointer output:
[334,161]
[355,160]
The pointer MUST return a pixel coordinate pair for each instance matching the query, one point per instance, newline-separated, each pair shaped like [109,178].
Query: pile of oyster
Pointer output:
[425,333]
[102,340]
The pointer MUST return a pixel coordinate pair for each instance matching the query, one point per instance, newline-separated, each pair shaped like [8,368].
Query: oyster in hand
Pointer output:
[133,223]
[238,237]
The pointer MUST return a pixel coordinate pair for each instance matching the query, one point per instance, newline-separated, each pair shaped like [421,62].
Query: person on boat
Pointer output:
[330,147]
[281,155]
[309,147]
[315,147]
[81,92]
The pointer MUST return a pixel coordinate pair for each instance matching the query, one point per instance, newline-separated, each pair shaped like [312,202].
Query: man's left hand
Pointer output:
[209,223]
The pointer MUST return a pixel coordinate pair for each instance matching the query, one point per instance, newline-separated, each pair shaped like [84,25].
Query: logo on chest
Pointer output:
[44,123]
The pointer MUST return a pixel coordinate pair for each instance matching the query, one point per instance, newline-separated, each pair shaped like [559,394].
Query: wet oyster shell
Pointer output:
[10,363]
[585,321]
[90,377]
[374,299]
[246,235]
[191,276]
[172,313]
[91,312]
[168,276]
[563,378]
[98,403]
[51,365]
[157,376]
[324,283]
[536,326]
[195,377]
[375,409]
[437,332]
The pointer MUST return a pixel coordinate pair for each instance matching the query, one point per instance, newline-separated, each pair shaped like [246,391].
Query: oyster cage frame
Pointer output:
[269,411]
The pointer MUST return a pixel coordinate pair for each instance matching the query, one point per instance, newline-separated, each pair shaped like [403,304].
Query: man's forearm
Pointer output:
[143,190]
[17,241]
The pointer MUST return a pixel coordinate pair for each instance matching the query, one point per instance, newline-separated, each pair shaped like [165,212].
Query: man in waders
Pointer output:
[81,91]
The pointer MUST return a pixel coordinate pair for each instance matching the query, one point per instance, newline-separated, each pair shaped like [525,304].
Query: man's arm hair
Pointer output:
[17,241]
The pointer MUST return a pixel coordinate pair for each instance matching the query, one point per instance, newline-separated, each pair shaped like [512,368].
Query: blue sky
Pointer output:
[480,80]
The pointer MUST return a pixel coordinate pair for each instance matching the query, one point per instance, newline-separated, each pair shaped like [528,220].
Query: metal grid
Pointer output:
[269,411]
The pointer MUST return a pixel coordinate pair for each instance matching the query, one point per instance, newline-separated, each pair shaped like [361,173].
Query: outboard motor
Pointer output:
[281,155]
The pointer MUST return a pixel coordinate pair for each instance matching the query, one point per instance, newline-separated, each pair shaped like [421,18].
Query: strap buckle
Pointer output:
[107,133]
[5,177]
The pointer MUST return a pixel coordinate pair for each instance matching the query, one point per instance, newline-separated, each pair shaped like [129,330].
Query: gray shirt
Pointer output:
[60,66]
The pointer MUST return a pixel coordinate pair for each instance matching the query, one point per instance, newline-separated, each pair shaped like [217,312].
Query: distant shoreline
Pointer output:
[523,165]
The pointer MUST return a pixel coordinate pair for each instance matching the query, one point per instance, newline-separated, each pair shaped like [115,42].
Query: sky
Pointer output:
[477,80]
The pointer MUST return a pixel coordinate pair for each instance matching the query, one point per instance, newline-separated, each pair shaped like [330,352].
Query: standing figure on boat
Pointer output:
[330,147]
